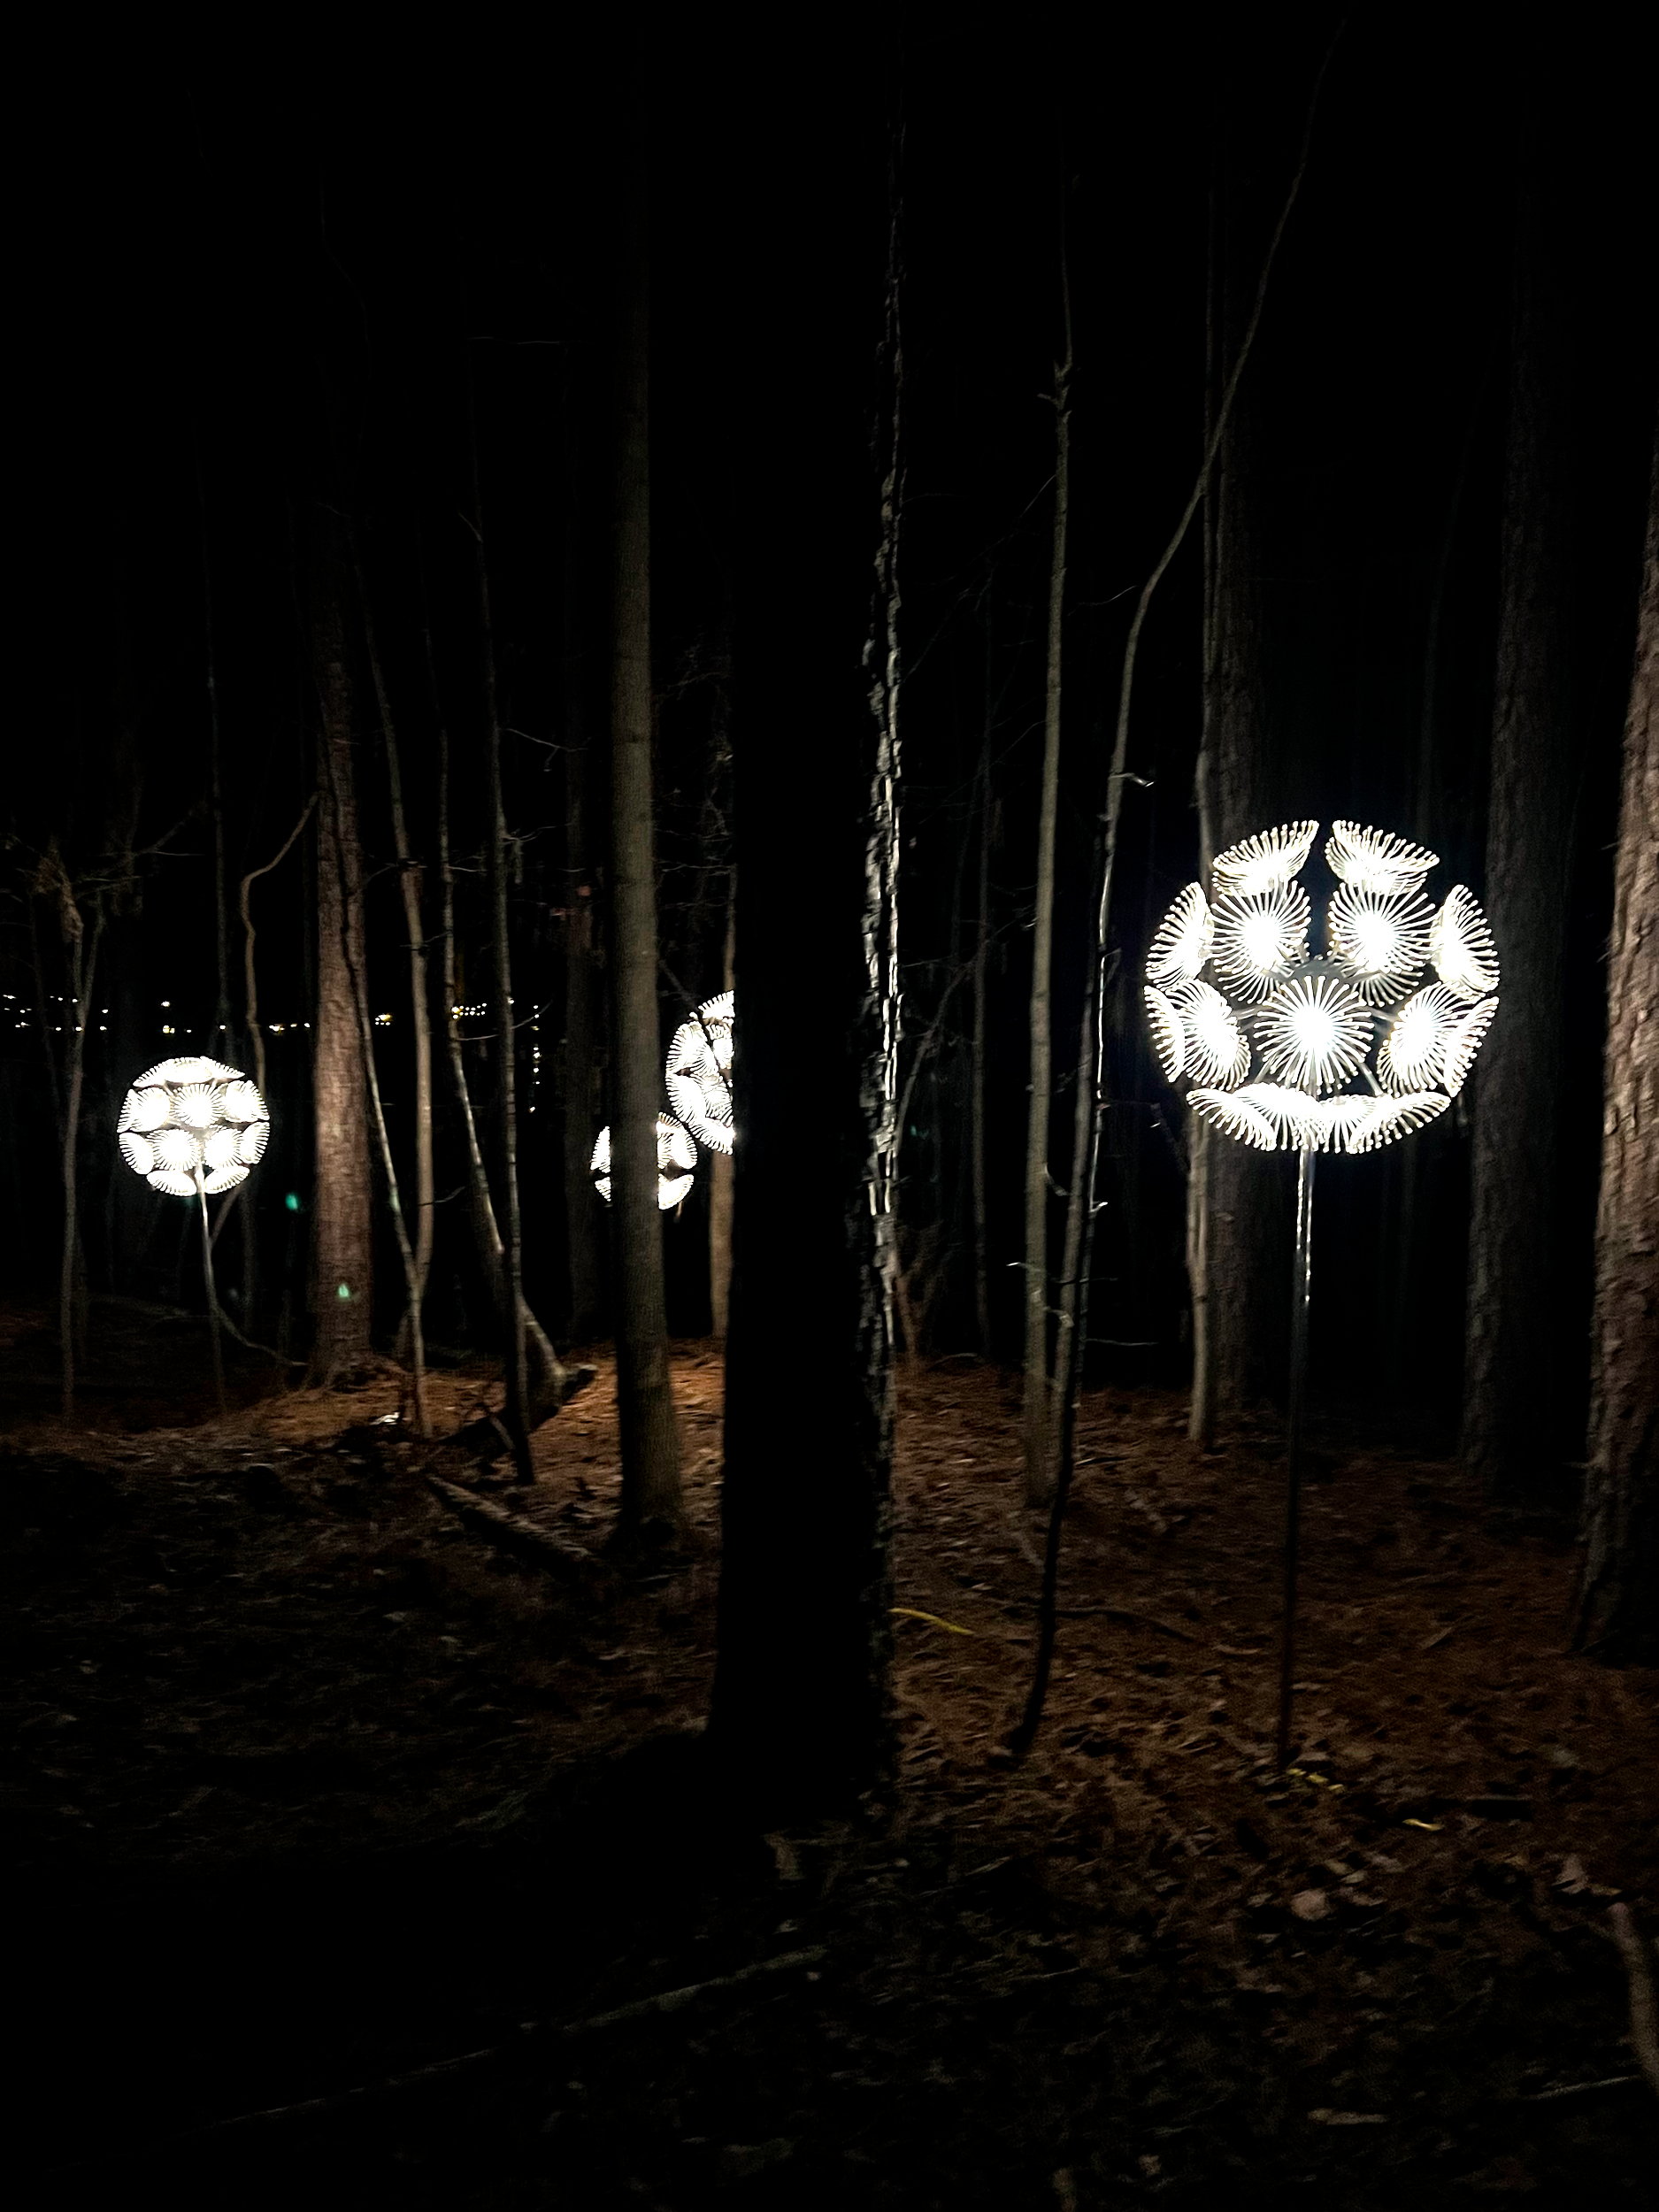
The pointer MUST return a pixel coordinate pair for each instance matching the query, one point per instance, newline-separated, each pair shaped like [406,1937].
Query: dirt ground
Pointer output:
[346,1845]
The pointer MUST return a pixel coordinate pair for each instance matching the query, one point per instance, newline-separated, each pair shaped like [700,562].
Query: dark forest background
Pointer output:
[252,287]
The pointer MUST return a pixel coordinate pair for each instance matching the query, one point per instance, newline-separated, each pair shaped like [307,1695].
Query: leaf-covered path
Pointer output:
[310,1788]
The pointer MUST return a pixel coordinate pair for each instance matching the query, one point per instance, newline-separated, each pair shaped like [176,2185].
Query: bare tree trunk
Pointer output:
[516,1410]
[721,1174]
[976,1075]
[801,1708]
[358,974]
[255,1037]
[1241,1187]
[1618,1601]
[343,1278]
[1036,1432]
[549,1381]
[81,947]
[1514,1349]
[1201,1416]
[1091,1115]
[410,877]
[581,1207]
[645,1399]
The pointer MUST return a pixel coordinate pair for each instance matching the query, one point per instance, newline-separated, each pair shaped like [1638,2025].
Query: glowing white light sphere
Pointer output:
[676,1157]
[1265,862]
[698,1072]
[1169,1037]
[1379,940]
[1339,1051]
[1217,1055]
[1260,937]
[1376,860]
[189,1118]
[1314,1033]
[1465,1041]
[1182,943]
[1411,1054]
[1235,1117]
[1461,946]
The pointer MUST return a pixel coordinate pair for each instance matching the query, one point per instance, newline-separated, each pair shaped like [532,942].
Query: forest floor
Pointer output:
[344,1845]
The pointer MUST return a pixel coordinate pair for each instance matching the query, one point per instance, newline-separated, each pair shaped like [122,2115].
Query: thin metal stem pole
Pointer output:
[212,1295]
[1301,1291]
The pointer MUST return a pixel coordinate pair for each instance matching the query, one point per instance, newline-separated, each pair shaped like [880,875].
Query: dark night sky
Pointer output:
[252,279]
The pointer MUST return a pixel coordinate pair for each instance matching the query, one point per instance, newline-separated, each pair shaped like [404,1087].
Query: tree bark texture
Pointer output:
[1619,1601]
[722,1179]
[581,1124]
[1518,1336]
[645,1401]
[342,1237]
[800,1711]
[1243,1185]
[1037,1430]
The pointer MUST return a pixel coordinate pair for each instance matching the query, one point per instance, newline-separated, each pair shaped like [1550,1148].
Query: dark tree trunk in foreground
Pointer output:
[800,1710]
[342,1245]
[1239,1189]
[645,1398]
[1518,1335]
[1036,1428]
[1619,1601]
[584,1213]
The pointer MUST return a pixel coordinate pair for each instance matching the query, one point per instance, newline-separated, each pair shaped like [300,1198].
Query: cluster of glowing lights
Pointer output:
[698,1073]
[676,1158]
[193,1125]
[698,1076]
[1343,1050]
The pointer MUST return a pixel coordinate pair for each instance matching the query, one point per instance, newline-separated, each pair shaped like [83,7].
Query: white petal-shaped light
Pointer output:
[1169,1040]
[137,1151]
[252,1142]
[145,1108]
[697,1073]
[177,1150]
[1376,860]
[1181,944]
[1409,1058]
[225,1178]
[1338,1118]
[1217,1055]
[1465,1041]
[174,1185]
[1461,946]
[1391,1118]
[220,1147]
[676,1157]
[242,1103]
[1260,936]
[1292,1112]
[1379,940]
[1235,1117]
[1314,1033]
[1264,861]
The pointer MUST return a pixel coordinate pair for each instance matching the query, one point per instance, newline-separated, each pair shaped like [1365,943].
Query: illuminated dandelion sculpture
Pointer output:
[193,1127]
[698,1076]
[676,1158]
[1346,1050]
[699,1072]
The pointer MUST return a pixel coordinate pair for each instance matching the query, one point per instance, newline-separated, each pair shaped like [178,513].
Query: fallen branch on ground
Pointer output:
[513,1530]
[1644,2017]
[667,2000]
